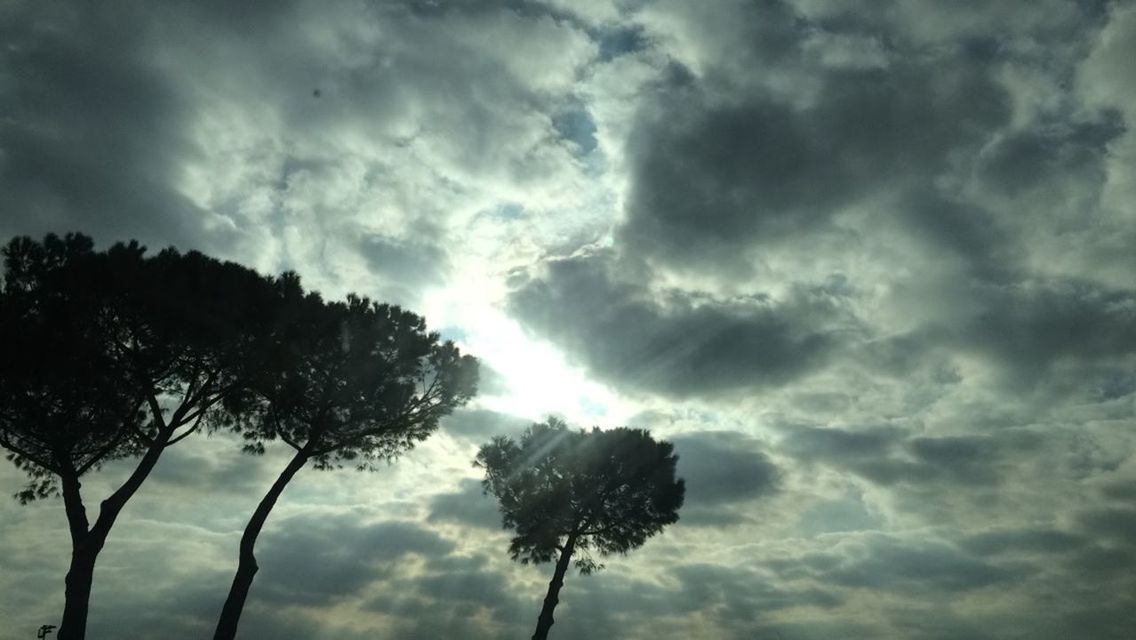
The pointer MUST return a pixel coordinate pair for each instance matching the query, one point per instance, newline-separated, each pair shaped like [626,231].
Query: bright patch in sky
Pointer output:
[523,376]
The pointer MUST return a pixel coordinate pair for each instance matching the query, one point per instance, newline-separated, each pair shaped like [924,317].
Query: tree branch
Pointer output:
[197,423]
[77,522]
[155,409]
[11,446]
[288,441]
[99,454]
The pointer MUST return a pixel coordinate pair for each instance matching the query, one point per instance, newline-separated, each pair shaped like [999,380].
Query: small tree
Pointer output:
[353,382]
[111,355]
[566,491]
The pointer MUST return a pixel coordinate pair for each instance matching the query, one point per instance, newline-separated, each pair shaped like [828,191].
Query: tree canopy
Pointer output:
[341,382]
[564,491]
[67,401]
[113,354]
[352,382]
[108,353]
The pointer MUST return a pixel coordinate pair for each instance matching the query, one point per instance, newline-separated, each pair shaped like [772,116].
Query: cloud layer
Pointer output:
[869,267]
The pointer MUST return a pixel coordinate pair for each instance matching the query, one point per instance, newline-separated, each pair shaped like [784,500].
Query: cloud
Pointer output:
[845,513]
[721,167]
[919,160]
[93,137]
[315,559]
[742,593]
[341,142]
[480,425]
[722,469]
[826,443]
[459,595]
[869,266]
[890,455]
[1115,524]
[468,506]
[889,564]
[208,464]
[1039,541]
[678,344]
[1028,328]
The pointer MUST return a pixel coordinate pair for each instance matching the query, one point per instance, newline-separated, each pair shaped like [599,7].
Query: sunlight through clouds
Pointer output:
[535,379]
[868,266]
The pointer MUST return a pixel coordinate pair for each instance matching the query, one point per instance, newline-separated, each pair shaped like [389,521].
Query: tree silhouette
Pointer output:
[110,355]
[566,491]
[346,382]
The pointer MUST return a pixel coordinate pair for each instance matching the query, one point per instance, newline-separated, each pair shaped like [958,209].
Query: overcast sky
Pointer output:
[869,265]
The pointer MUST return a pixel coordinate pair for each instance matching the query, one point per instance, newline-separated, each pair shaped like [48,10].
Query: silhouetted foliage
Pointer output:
[67,404]
[111,355]
[564,491]
[344,382]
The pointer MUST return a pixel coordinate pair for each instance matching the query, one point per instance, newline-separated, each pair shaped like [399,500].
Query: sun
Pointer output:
[521,376]
[537,381]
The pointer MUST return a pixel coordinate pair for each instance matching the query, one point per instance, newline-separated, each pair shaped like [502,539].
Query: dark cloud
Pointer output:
[214,467]
[810,630]
[679,344]
[888,456]
[1096,620]
[314,559]
[1030,541]
[94,131]
[462,597]
[887,564]
[965,458]
[733,602]
[469,506]
[618,41]
[847,513]
[575,124]
[1103,568]
[1030,327]
[480,425]
[143,613]
[811,443]
[705,189]
[1115,524]
[927,621]
[743,594]
[406,266]
[716,176]
[721,469]
[960,229]
[1021,162]
[1121,490]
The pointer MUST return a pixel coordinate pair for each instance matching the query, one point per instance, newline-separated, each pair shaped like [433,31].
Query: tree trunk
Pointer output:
[86,544]
[87,541]
[544,622]
[246,564]
[80,577]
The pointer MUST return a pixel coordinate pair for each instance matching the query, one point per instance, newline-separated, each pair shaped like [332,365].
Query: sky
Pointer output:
[868,265]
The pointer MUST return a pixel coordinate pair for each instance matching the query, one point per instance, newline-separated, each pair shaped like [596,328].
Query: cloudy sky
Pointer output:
[869,265]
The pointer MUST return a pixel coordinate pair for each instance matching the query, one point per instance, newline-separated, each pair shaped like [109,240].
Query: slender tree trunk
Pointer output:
[544,622]
[80,575]
[80,578]
[86,544]
[246,564]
